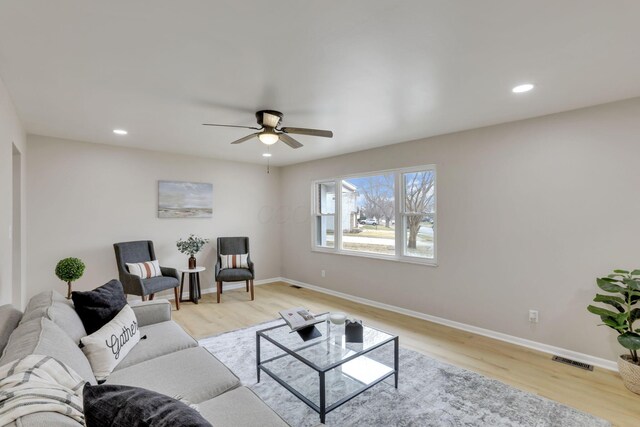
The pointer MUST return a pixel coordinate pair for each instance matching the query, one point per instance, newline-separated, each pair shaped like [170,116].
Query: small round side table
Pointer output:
[194,283]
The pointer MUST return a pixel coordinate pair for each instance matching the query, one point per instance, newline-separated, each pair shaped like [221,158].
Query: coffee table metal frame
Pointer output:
[322,409]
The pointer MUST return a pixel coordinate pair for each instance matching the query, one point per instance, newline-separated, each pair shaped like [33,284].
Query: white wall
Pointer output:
[11,134]
[84,197]
[530,213]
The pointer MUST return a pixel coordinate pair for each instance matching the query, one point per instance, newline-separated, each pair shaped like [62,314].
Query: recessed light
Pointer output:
[522,88]
[266,154]
[120,132]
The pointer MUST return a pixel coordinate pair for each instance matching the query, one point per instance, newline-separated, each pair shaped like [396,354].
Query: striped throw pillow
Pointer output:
[145,270]
[234,261]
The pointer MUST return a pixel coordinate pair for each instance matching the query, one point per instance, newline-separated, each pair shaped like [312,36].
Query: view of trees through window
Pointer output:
[419,213]
[370,206]
[368,214]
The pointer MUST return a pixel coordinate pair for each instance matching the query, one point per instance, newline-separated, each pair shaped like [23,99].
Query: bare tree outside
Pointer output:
[419,202]
[377,192]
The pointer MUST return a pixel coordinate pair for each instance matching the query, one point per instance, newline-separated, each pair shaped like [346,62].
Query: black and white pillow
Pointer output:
[111,343]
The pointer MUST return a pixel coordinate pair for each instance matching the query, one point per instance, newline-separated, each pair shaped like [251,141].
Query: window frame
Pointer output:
[399,216]
[316,212]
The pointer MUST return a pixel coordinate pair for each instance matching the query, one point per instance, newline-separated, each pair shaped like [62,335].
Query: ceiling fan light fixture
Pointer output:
[268,137]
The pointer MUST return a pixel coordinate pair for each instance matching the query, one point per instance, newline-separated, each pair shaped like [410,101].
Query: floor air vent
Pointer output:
[570,362]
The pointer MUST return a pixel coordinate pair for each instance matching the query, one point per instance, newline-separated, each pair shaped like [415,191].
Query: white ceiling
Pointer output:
[375,72]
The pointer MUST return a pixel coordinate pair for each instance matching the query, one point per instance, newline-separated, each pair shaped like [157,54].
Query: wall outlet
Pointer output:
[533,316]
[322,273]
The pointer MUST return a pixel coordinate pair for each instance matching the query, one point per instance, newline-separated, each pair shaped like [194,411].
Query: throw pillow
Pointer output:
[42,336]
[145,270]
[54,306]
[97,307]
[119,405]
[110,344]
[234,261]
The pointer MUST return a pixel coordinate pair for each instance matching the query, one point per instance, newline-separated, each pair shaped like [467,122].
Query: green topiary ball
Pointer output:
[70,269]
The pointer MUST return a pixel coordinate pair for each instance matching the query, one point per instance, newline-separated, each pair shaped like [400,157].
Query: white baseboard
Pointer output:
[545,348]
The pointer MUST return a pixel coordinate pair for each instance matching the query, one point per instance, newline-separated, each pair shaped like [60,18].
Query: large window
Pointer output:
[389,214]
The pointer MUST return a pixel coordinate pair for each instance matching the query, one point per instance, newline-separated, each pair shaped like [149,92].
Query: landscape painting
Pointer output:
[178,199]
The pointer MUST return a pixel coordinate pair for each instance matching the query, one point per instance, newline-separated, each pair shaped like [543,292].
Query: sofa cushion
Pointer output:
[124,406]
[42,336]
[192,373]
[239,407]
[9,320]
[96,308]
[162,338]
[57,308]
[234,275]
[63,314]
[37,306]
[45,419]
[160,283]
[151,312]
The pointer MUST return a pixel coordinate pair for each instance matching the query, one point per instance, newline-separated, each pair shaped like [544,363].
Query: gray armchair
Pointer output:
[142,251]
[234,246]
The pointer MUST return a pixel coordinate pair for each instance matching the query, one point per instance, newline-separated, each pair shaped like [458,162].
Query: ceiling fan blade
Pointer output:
[246,138]
[289,141]
[231,126]
[312,132]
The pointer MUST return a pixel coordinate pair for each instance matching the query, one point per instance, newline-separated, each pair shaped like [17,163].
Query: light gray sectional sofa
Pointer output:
[168,361]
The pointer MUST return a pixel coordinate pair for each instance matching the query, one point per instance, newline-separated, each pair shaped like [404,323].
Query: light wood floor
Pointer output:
[600,392]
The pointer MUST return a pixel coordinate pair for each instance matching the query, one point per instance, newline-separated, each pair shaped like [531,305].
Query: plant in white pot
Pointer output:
[623,293]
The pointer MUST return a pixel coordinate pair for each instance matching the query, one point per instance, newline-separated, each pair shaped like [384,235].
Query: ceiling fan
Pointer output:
[269,131]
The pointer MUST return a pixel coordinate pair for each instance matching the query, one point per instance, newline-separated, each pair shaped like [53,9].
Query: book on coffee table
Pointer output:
[299,318]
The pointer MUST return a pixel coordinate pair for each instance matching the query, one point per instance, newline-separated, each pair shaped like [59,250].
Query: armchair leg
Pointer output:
[251,289]
[144,297]
[151,297]
[247,285]
[175,292]
[219,284]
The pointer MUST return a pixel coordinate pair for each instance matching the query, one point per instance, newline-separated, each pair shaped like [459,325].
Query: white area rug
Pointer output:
[430,393]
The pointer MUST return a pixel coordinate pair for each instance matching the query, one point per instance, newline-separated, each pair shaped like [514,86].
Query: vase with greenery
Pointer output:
[69,270]
[191,246]
[622,295]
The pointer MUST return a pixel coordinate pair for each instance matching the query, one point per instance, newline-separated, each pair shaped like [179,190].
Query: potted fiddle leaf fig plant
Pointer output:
[622,294]
[69,270]
[191,246]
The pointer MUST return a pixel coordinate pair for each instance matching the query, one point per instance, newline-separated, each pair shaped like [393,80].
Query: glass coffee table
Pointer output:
[326,372]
